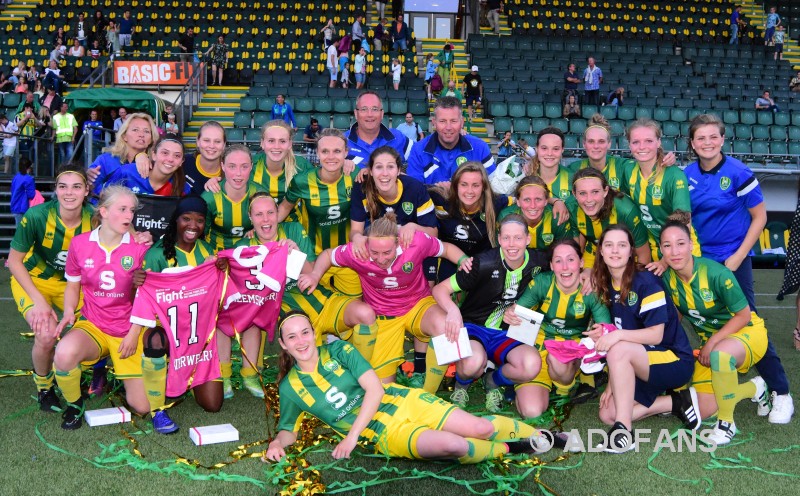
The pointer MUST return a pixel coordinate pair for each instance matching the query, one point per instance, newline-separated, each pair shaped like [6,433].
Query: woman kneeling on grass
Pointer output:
[335,384]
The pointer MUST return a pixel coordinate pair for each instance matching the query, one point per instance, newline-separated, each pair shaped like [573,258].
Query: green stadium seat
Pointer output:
[758,249]
[671,128]
[398,106]
[778,148]
[539,124]
[516,109]
[323,105]
[11,100]
[661,114]
[743,132]
[261,118]
[234,135]
[617,127]
[644,113]
[241,119]
[561,124]
[502,124]
[498,109]
[626,113]
[760,149]
[552,110]
[577,126]
[571,141]
[760,132]
[794,149]
[522,125]
[765,118]
[252,136]
[417,107]
[795,118]
[265,104]
[682,145]
[668,144]
[534,110]
[748,117]
[303,121]
[342,121]
[609,112]
[783,119]
[678,115]
[777,133]
[794,133]
[248,104]
[304,105]
[777,237]
[730,117]
[742,147]
[587,111]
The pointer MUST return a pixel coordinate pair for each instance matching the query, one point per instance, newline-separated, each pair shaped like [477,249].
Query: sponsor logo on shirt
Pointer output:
[614,182]
[126,262]
[724,183]
[495,274]
[408,267]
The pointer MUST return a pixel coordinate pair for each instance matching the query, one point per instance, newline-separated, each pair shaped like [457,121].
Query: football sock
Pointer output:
[364,339]
[70,383]
[434,373]
[480,450]
[725,380]
[563,389]
[43,382]
[225,370]
[154,376]
[587,379]
[506,429]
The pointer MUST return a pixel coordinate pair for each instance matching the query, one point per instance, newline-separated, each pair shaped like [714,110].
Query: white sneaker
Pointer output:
[782,408]
[723,432]
[761,397]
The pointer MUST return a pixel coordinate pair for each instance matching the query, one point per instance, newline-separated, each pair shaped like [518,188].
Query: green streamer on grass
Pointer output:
[695,482]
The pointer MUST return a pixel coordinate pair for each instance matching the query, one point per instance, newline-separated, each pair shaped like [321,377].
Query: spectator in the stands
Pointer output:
[112,36]
[6,86]
[59,37]
[66,130]
[94,126]
[82,30]
[360,68]
[283,111]
[794,84]
[571,108]
[23,190]
[446,59]
[56,54]
[473,88]
[123,114]
[170,126]
[9,133]
[494,8]
[736,21]
[126,27]
[51,99]
[219,59]
[430,71]
[381,35]
[343,48]
[21,86]
[27,123]
[76,50]
[328,34]
[400,34]
[38,92]
[187,45]
[357,32]
[505,148]
[410,128]
[96,51]
[397,70]
[592,79]
[99,24]
[333,61]
[772,21]
[451,90]
[616,98]
[571,81]
[765,102]
[778,39]
[311,133]
[53,77]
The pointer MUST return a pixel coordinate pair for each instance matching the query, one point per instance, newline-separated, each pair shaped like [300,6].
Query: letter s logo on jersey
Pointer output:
[334,212]
[61,258]
[237,231]
[390,282]
[107,280]
[462,232]
[336,398]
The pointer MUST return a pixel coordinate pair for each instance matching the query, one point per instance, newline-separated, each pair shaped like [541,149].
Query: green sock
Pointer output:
[363,338]
[154,376]
[507,429]
[43,382]
[480,450]
[70,383]
[434,373]
[725,380]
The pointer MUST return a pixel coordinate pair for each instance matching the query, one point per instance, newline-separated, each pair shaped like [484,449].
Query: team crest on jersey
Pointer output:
[658,193]
[724,183]
[579,307]
[706,295]
[408,267]
[632,298]
[348,190]
[331,365]
[536,270]
[460,160]
[564,194]
[614,182]
[126,262]
[408,207]
[547,238]
[483,216]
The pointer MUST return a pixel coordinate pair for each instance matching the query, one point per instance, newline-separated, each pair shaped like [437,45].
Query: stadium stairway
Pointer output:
[218,103]
[19,10]
[755,12]
[505,29]
[372,14]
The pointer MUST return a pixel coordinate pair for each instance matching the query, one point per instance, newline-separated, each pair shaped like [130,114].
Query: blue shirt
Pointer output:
[97,134]
[22,192]
[284,112]
[430,163]
[593,82]
[108,165]
[772,20]
[126,25]
[127,175]
[430,69]
[735,18]
[359,150]
[721,198]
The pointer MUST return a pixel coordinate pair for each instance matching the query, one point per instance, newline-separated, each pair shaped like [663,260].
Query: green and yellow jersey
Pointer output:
[333,395]
[275,185]
[709,299]
[561,186]
[227,221]
[154,258]
[43,231]
[623,212]
[658,196]
[617,170]
[566,316]
[327,205]
[547,231]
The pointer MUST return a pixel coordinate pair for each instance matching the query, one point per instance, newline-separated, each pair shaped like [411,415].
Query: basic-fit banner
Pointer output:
[152,72]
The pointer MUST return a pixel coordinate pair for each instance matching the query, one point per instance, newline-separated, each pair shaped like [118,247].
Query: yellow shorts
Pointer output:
[342,280]
[754,339]
[51,289]
[542,379]
[416,413]
[388,352]
[331,319]
[127,368]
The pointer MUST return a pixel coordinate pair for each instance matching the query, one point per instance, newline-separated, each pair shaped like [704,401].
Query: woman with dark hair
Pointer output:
[532,195]
[649,353]
[400,422]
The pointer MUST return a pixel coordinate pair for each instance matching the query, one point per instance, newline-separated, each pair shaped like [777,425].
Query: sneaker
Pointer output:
[459,398]
[761,397]
[689,412]
[541,442]
[73,416]
[620,439]
[253,385]
[48,400]
[583,393]
[494,400]
[227,388]
[99,381]
[723,432]
[417,380]
[163,424]
[560,439]
[782,408]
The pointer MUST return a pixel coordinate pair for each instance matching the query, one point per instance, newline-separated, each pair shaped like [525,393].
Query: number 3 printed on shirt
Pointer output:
[255,263]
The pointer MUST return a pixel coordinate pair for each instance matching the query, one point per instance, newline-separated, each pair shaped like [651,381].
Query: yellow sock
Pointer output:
[247,371]
[434,373]
[154,376]
[43,382]
[587,379]
[506,429]
[563,389]
[261,350]
[363,339]
[225,370]
[70,383]
[725,380]
[480,450]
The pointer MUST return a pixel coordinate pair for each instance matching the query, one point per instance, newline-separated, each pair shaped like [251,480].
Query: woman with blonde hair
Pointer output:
[532,195]
[134,141]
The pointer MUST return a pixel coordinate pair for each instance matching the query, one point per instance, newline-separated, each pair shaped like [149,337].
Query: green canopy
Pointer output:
[97,98]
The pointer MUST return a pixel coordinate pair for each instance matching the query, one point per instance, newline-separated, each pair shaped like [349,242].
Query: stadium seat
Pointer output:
[248,104]
[626,113]
[783,119]
[577,126]
[303,121]
[760,149]
[777,237]
[644,113]
[730,117]
[502,124]
[743,132]
[252,136]
[522,125]
[323,105]
[671,128]
[609,112]
[234,135]
[516,109]
[342,121]
[498,109]
[742,147]
[344,106]
[760,132]
[587,111]
[794,133]
[552,110]
[661,114]
[765,118]
[241,119]
[539,124]
[777,133]
[748,117]
[304,105]
[678,115]
[561,124]
[778,149]
[534,110]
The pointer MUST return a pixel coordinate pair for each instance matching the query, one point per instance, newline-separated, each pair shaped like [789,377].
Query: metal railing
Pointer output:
[40,150]
[191,94]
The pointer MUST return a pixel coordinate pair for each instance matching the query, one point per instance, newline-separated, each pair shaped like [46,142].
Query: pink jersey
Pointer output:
[106,279]
[260,273]
[186,304]
[393,291]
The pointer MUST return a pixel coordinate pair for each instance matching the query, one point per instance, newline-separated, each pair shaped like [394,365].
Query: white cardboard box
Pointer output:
[107,416]
[528,331]
[213,434]
[294,264]
[447,352]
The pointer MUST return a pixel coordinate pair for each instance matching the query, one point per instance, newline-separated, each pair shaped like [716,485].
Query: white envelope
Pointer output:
[447,352]
[528,330]
[294,264]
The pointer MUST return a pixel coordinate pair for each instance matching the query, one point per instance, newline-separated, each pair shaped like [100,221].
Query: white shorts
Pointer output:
[8,150]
